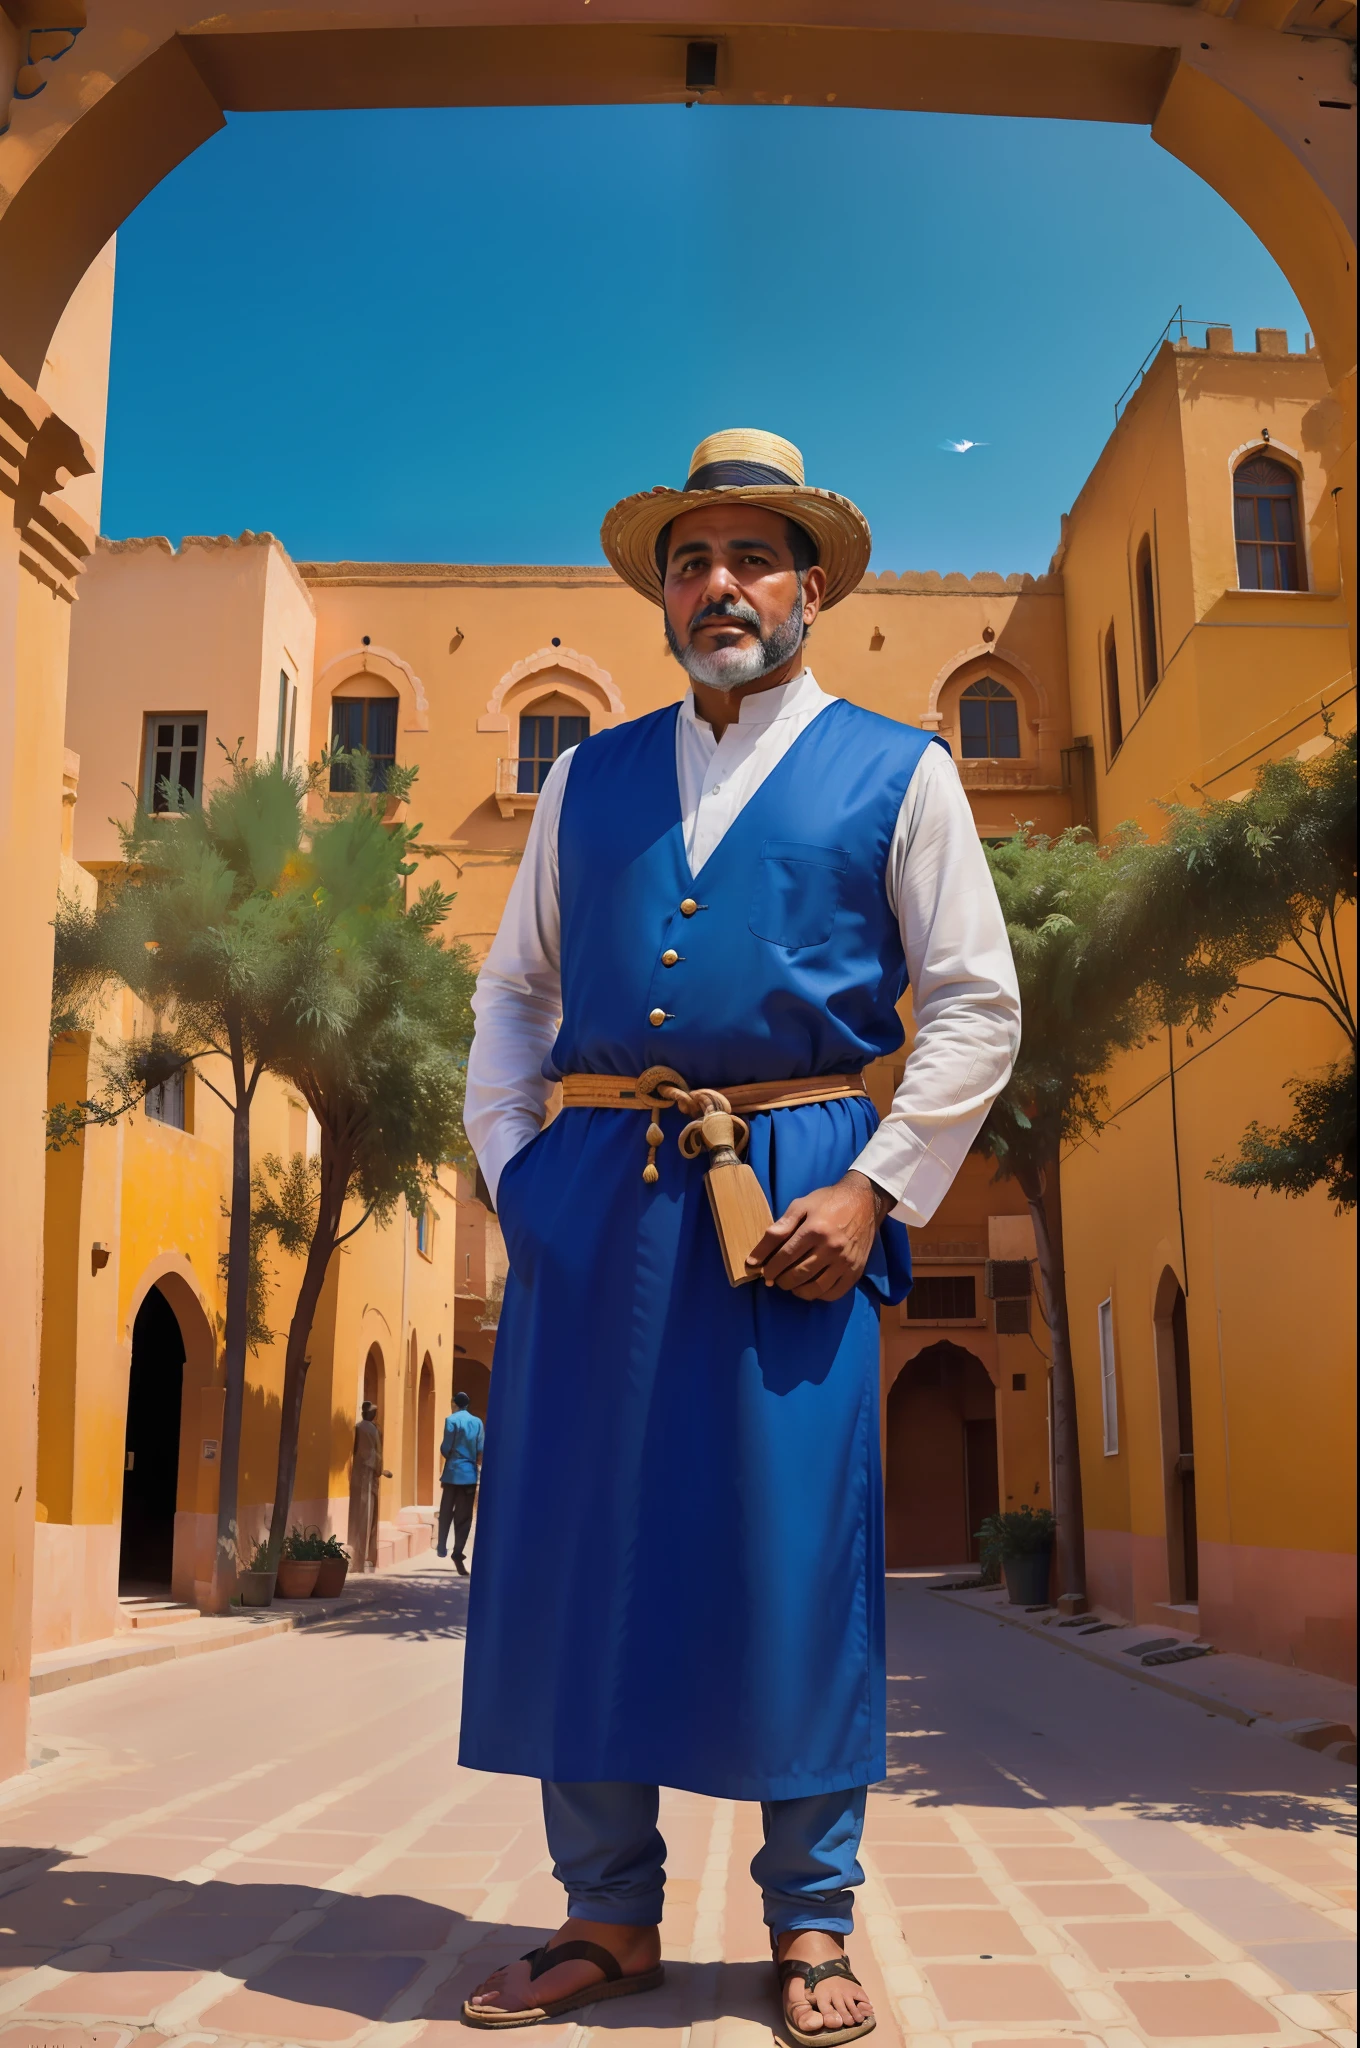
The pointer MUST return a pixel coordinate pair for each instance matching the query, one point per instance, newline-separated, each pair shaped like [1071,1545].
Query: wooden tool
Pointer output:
[735,1196]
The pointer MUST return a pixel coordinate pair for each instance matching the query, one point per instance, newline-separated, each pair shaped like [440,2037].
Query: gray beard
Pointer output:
[730,668]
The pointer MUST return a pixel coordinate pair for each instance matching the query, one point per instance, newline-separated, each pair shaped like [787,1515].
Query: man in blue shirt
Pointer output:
[461,1451]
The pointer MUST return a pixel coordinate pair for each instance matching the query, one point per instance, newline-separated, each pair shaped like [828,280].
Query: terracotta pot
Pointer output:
[330,1578]
[297,1576]
[255,1588]
[1027,1578]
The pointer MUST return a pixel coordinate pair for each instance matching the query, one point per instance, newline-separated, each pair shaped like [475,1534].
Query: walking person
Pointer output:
[461,1451]
[366,1476]
[715,919]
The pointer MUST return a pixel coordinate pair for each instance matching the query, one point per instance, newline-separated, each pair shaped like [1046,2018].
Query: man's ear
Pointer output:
[814,591]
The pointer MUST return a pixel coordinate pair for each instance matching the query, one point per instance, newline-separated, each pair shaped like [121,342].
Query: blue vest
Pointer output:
[790,961]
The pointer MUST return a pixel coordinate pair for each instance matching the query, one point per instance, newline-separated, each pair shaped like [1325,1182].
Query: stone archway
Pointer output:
[427,1423]
[174,1426]
[1260,114]
[1252,116]
[940,1477]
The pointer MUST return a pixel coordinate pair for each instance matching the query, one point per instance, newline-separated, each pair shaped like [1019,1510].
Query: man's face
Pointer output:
[736,607]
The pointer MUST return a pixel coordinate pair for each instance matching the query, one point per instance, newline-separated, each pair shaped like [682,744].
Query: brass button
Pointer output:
[656,1017]
[669,958]
[688,907]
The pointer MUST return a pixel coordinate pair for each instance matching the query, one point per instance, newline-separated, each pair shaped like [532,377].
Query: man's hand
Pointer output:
[820,1246]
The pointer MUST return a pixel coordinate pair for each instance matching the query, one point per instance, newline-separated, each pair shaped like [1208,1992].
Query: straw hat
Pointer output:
[741,465]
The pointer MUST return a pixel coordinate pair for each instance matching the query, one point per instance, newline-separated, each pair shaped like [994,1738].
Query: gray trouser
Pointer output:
[456,1504]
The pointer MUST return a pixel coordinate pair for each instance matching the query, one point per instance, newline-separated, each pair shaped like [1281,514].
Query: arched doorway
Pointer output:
[941,1472]
[1172,1339]
[375,1382]
[426,1422]
[473,1378]
[151,1447]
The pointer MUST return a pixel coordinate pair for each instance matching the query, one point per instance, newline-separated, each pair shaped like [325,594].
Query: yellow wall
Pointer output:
[1269,1283]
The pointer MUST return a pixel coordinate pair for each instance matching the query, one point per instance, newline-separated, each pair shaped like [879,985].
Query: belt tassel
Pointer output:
[740,1211]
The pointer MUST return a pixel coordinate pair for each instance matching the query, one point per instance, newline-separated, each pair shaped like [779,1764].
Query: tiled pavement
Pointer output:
[278,1847]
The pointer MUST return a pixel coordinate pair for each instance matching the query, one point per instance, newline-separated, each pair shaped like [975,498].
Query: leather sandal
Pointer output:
[541,1960]
[814,1974]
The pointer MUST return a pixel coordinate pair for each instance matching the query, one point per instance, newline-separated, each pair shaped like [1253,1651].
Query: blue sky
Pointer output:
[459,335]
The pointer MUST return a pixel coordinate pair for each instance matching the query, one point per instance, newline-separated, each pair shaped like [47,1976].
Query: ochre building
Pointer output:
[1147,663]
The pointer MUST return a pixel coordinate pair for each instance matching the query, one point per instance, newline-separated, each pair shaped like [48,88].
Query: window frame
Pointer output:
[1146,616]
[425,1230]
[151,747]
[1109,1377]
[1000,693]
[286,735]
[532,770]
[1275,457]
[1111,702]
[345,786]
[175,1089]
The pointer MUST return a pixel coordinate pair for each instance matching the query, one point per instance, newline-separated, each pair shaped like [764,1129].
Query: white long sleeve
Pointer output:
[966,1002]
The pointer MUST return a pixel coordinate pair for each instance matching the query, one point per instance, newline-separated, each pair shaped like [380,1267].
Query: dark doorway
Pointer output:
[151,1450]
[1185,1460]
[941,1477]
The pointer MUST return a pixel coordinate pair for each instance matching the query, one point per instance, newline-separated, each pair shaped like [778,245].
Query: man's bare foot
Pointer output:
[835,2002]
[636,1949]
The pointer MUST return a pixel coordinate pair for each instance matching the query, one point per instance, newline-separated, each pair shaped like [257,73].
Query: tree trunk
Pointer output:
[227,1560]
[335,1176]
[1044,1194]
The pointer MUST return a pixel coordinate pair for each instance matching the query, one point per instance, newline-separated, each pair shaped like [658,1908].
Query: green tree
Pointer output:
[386,1088]
[1258,884]
[208,927]
[1082,1002]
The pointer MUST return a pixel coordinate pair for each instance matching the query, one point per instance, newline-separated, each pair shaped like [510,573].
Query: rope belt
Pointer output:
[715,1126]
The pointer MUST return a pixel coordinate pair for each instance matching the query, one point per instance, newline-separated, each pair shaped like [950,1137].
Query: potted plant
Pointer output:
[300,1563]
[330,1576]
[1020,1542]
[255,1581]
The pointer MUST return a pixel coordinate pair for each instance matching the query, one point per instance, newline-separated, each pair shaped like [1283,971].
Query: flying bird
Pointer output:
[962,447]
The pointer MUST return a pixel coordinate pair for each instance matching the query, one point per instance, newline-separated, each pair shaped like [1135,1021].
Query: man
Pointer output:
[461,1451]
[728,893]
[366,1473]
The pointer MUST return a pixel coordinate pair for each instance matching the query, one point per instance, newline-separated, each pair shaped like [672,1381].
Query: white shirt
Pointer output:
[966,1003]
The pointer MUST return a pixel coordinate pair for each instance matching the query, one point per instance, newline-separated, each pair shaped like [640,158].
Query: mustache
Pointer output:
[734,608]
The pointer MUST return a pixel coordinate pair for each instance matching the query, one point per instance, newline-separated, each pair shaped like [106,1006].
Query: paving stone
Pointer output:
[1205,2006]
[1137,1944]
[964,1933]
[1068,1901]
[132,1995]
[391,1924]
[1326,1966]
[26,2035]
[1246,1908]
[999,1991]
[905,1859]
[1030,1866]
[1158,1845]
[939,1891]
[314,1998]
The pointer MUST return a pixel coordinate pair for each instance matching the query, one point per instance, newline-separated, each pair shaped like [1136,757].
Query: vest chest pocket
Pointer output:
[797,894]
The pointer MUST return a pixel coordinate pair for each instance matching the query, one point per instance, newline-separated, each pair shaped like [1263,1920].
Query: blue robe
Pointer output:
[679,1571]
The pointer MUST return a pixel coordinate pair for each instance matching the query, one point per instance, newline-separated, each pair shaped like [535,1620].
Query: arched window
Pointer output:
[1145,593]
[1266,523]
[368,722]
[546,730]
[1114,712]
[989,722]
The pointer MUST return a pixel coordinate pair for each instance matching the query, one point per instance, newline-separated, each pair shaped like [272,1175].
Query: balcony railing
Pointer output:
[1003,775]
[517,780]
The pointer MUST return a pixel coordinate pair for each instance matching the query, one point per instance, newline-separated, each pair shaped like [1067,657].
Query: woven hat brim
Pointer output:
[632,527]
